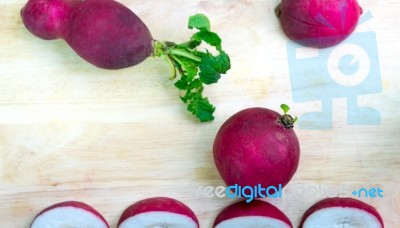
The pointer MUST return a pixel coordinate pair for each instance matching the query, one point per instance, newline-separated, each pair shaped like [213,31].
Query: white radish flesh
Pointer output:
[339,217]
[253,221]
[158,219]
[68,217]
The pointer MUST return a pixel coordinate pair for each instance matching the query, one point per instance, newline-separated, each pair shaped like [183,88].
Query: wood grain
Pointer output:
[109,138]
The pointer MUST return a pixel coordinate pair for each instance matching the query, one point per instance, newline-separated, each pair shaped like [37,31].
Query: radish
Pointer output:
[249,215]
[109,35]
[160,212]
[341,212]
[257,146]
[318,23]
[69,214]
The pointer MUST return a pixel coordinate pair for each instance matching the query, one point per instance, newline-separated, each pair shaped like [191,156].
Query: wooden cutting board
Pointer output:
[70,131]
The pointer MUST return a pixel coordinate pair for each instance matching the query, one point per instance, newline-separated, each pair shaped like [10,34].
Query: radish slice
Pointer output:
[341,212]
[69,214]
[249,215]
[158,212]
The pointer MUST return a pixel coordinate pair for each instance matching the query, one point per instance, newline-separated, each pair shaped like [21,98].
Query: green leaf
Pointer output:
[195,67]
[196,84]
[199,21]
[186,97]
[191,44]
[208,75]
[210,38]
[201,108]
[181,84]
[212,67]
[190,67]
[192,89]
[285,108]
[223,63]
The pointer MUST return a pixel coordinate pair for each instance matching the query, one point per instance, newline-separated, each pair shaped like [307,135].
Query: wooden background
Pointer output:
[70,131]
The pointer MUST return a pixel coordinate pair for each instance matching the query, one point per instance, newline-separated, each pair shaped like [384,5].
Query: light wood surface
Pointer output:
[70,131]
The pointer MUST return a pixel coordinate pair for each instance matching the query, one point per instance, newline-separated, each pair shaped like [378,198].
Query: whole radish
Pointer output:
[109,35]
[318,23]
[257,146]
[104,33]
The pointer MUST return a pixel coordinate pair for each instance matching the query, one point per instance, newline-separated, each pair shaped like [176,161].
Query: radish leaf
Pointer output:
[209,37]
[196,68]
[200,22]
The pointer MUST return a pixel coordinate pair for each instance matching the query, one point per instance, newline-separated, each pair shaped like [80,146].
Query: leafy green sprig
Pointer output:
[192,69]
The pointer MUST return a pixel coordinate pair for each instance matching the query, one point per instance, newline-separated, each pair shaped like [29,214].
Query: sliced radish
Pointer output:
[341,212]
[249,215]
[69,214]
[158,212]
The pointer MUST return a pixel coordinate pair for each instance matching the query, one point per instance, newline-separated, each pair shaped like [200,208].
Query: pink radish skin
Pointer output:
[69,214]
[158,212]
[338,212]
[104,33]
[45,19]
[318,23]
[248,215]
[254,147]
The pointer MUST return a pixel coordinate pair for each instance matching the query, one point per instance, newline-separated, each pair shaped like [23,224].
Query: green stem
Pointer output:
[287,120]
[171,65]
[174,58]
[185,44]
[169,49]
[182,53]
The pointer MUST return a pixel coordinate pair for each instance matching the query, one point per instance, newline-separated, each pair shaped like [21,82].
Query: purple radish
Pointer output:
[109,35]
[318,23]
[257,146]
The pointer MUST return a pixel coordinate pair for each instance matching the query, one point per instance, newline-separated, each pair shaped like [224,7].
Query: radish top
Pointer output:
[196,68]
[287,120]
